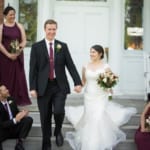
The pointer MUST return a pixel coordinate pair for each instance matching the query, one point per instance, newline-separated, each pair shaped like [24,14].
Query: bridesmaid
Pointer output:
[12,73]
[142,135]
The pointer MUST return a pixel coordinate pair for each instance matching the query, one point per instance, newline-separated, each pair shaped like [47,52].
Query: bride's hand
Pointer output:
[110,90]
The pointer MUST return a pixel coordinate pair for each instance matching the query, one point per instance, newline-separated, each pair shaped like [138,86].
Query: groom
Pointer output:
[49,83]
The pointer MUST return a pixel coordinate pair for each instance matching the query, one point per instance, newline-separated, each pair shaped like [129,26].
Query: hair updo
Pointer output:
[7,9]
[99,49]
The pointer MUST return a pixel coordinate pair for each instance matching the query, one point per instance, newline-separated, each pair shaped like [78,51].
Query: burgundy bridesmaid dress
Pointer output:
[12,73]
[142,139]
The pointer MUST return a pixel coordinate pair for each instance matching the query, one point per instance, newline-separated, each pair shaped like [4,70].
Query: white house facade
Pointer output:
[82,24]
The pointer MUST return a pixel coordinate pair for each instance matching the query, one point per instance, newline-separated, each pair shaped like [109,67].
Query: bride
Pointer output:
[97,122]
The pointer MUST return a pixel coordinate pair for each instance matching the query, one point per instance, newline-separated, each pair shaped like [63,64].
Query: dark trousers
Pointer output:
[53,101]
[19,131]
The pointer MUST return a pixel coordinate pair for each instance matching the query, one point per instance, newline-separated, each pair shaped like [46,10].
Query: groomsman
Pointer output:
[13,123]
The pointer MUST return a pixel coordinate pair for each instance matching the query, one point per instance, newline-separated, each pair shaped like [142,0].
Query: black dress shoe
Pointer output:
[45,147]
[59,139]
[19,146]
[1,148]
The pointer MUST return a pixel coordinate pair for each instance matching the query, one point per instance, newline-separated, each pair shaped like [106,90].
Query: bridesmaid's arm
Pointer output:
[2,48]
[142,121]
[23,36]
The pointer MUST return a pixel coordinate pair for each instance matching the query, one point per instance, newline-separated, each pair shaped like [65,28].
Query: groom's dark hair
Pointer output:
[99,49]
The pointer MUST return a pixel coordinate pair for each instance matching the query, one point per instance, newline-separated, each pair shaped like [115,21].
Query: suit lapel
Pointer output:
[55,44]
[44,49]
[2,107]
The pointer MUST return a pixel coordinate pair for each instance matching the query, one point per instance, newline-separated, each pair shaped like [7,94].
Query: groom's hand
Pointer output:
[33,93]
[78,88]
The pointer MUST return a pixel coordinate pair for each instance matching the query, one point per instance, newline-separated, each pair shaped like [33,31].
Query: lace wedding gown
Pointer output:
[97,122]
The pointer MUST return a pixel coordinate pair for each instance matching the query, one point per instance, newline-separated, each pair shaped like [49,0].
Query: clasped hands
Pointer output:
[78,88]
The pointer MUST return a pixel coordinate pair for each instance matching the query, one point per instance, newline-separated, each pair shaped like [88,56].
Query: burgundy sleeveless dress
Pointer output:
[12,73]
[142,139]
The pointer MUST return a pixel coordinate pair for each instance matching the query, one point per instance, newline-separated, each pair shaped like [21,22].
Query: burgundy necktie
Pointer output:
[51,76]
[6,107]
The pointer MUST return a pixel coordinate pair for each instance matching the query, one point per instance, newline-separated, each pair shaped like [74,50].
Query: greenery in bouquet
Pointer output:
[14,46]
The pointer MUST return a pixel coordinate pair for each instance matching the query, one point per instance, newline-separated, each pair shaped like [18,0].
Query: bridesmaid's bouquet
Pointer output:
[147,123]
[14,46]
[107,80]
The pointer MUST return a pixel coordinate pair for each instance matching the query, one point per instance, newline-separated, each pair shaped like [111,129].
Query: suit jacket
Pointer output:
[40,67]
[5,122]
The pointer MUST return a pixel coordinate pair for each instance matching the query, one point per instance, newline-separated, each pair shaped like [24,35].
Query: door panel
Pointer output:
[81,27]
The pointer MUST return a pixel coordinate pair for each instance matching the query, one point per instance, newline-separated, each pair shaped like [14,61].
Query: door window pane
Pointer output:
[133,25]
[28,17]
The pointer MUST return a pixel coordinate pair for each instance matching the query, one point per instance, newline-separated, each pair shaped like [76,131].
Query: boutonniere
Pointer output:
[58,47]
[10,101]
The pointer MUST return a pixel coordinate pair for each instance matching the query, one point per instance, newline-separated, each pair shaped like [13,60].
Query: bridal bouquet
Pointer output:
[107,80]
[14,45]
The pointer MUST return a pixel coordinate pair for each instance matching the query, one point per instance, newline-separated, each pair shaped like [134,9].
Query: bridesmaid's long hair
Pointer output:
[99,49]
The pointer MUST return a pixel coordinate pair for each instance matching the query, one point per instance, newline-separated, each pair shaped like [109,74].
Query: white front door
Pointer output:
[81,25]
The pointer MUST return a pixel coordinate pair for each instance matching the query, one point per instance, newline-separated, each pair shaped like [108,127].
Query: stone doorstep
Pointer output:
[135,120]
[36,130]
[34,143]
[75,100]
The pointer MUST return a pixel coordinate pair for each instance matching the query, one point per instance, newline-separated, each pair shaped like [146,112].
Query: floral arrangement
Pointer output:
[107,80]
[14,45]
[10,101]
[147,123]
[58,47]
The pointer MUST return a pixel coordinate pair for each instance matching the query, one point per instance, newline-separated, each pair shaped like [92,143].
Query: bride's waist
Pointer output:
[96,93]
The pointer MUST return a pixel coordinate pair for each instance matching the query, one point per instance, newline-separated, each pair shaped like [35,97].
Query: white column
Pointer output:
[116,30]
[45,11]
[146,19]
[146,45]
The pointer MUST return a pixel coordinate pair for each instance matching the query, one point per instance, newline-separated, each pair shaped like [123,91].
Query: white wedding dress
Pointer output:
[97,122]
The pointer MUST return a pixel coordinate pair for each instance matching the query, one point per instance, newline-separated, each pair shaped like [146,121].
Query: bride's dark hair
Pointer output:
[99,49]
